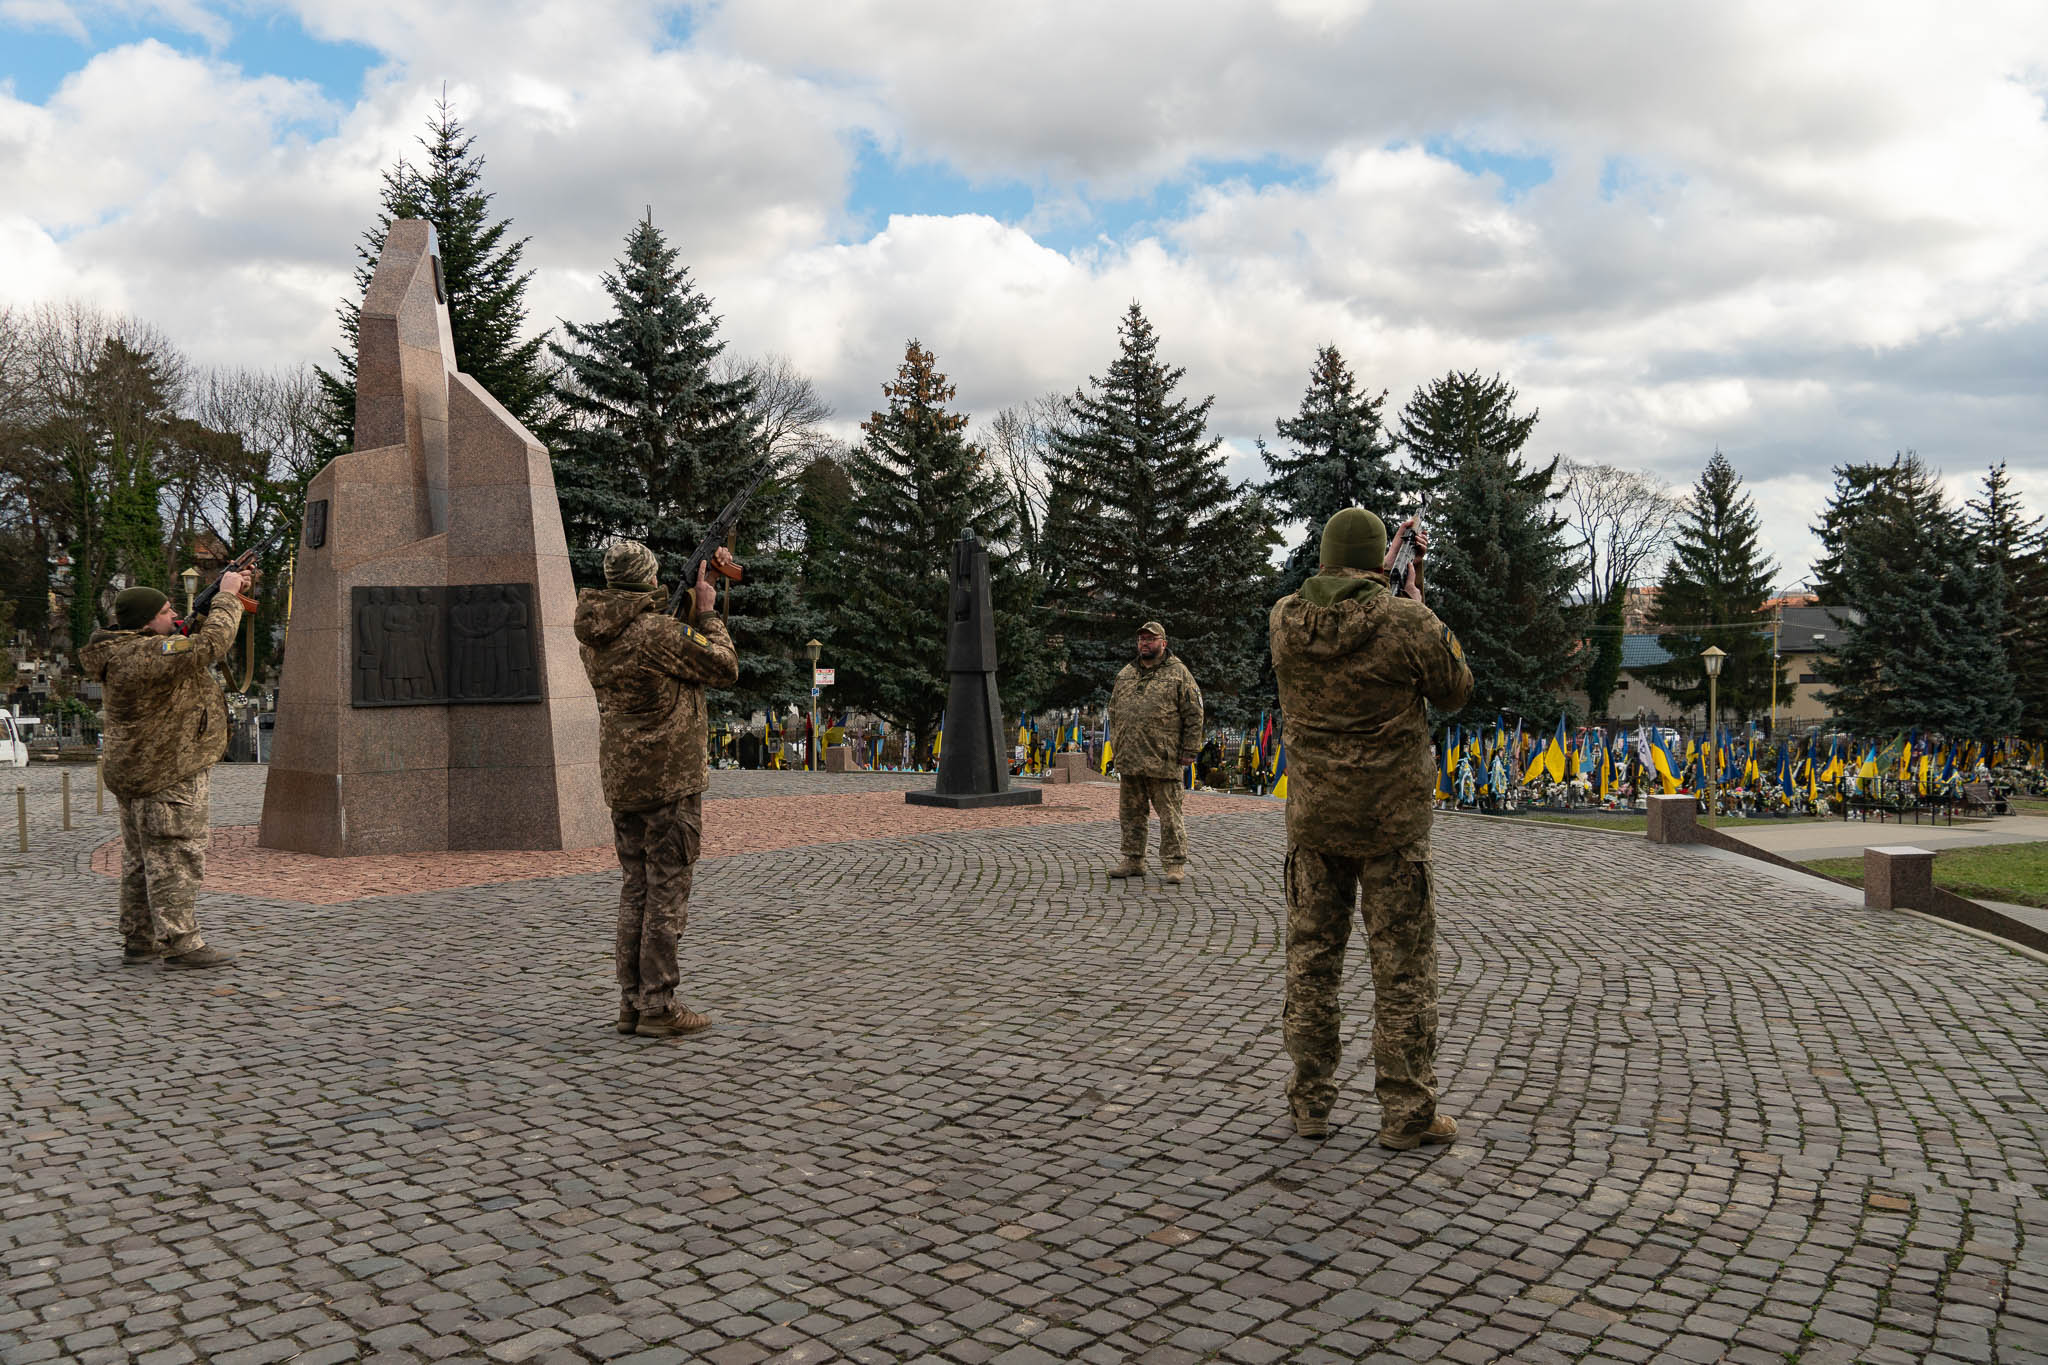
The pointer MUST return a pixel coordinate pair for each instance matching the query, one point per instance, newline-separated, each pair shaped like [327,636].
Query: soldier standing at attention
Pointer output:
[167,724]
[1155,722]
[649,672]
[1355,663]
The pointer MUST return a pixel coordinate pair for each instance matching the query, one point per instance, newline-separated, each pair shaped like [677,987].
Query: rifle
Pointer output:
[242,564]
[1401,569]
[707,548]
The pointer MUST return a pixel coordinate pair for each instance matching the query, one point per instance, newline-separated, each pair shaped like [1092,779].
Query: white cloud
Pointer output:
[1800,234]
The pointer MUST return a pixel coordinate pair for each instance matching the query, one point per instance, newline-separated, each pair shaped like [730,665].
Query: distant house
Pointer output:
[1807,634]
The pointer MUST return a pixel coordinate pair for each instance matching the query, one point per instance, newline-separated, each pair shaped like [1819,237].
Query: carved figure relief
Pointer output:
[316,523]
[423,646]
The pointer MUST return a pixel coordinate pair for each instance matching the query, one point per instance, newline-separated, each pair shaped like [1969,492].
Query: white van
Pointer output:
[14,731]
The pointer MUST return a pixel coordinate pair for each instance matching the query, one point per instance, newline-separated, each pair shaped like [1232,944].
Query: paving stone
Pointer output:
[967,1102]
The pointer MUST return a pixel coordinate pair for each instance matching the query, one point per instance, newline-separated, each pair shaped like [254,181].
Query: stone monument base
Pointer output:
[1015,796]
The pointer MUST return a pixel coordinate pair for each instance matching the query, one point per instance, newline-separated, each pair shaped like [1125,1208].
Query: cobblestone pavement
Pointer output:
[966,1102]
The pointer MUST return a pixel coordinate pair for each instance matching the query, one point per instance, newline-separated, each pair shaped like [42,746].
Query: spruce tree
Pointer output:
[479,267]
[917,484]
[1919,609]
[1340,457]
[1459,415]
[1713,593]
[1603,672]
[651,446]
[1501,568]
[1142,525]
[2014,548]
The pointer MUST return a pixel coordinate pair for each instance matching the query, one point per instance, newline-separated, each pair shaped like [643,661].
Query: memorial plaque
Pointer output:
[316,523]
[472,643]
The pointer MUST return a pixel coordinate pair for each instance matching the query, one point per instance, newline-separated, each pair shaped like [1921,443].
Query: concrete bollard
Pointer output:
[1898,877]
[64,785]
[1673,820]
[21,816]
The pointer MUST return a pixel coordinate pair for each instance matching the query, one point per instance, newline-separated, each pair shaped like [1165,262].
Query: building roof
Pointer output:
[1814,630]
[1642,651]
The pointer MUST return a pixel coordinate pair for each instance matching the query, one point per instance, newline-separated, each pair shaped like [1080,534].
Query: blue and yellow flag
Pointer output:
[1280,772]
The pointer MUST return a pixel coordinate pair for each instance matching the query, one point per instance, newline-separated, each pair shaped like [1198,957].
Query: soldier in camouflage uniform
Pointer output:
[1155,725]
[1355,663]
[166,725]
[649,671]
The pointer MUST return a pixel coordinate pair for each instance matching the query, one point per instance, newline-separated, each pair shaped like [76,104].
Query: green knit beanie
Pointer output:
[135,608]
[1355,539]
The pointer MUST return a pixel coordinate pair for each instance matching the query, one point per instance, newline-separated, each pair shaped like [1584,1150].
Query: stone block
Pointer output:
[1074,765]
[1674,820]
[1056,776]
[838,759]
[501,807]
[1898,877]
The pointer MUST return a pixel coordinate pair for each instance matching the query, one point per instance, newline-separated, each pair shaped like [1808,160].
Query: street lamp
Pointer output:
[190,578]
[1712,656]
[814,646]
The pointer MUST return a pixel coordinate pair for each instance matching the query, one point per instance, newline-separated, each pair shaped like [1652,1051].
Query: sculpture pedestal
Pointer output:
[1015,796]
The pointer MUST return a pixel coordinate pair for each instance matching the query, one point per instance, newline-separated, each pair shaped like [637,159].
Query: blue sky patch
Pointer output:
[882,185]
[1518,174]
[38,59]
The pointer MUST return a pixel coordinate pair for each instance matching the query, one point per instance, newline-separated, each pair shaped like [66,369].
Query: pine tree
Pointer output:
[1603,672]
[1459,415]
[1713,593]
[480,267]
[651,446]
[1142,525]
[1341,457]
[1501,569]
[2014,549]
[917,484]
[1918,606]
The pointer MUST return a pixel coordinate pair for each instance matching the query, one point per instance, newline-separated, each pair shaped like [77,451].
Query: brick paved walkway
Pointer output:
[966,1103]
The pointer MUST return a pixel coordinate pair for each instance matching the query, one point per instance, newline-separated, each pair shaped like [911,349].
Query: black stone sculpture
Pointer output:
[443,646]
[974,761]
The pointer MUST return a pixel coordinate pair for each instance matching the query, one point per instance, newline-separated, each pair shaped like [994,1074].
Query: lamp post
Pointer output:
[814,646]
[1712,656]
[190,578]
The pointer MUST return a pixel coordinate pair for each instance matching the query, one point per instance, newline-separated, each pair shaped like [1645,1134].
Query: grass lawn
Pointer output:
[2030,805]
[2000,872]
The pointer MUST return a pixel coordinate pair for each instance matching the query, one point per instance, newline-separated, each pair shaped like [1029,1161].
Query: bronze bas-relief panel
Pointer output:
[471,643]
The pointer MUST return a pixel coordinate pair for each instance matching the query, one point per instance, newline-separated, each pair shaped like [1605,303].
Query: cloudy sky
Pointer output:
[1803,233]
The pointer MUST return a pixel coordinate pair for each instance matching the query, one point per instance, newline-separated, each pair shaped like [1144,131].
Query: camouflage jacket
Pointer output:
[649,671]
[1355,664]
[166,716]
[1155,718]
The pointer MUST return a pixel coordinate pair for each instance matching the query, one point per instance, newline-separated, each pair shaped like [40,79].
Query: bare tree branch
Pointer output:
[1623,520]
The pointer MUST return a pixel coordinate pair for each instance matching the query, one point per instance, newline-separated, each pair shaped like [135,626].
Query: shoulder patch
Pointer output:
[1451,643]
[697,637]
[176,644]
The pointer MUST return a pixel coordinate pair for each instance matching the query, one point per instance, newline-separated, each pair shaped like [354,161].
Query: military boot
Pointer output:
[1313,1126]
[1176,873]
[1131,866]
[629,1018]
[199,958]
[141,954]
[1441,1130]
[672,1023]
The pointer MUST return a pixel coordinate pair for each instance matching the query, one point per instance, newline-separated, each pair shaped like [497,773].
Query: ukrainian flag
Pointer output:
[1280,772]
[1660,759]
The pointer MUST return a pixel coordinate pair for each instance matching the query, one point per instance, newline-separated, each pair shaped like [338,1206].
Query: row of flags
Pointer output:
[1500,760]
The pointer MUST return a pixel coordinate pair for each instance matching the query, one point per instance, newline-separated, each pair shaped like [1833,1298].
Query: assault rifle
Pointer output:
[1401,570]
[242,563]
[707,549]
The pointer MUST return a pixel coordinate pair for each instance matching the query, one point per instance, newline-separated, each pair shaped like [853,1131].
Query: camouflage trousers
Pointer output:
[657,853]
[163,860]
[1400,922]
[1137,797]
